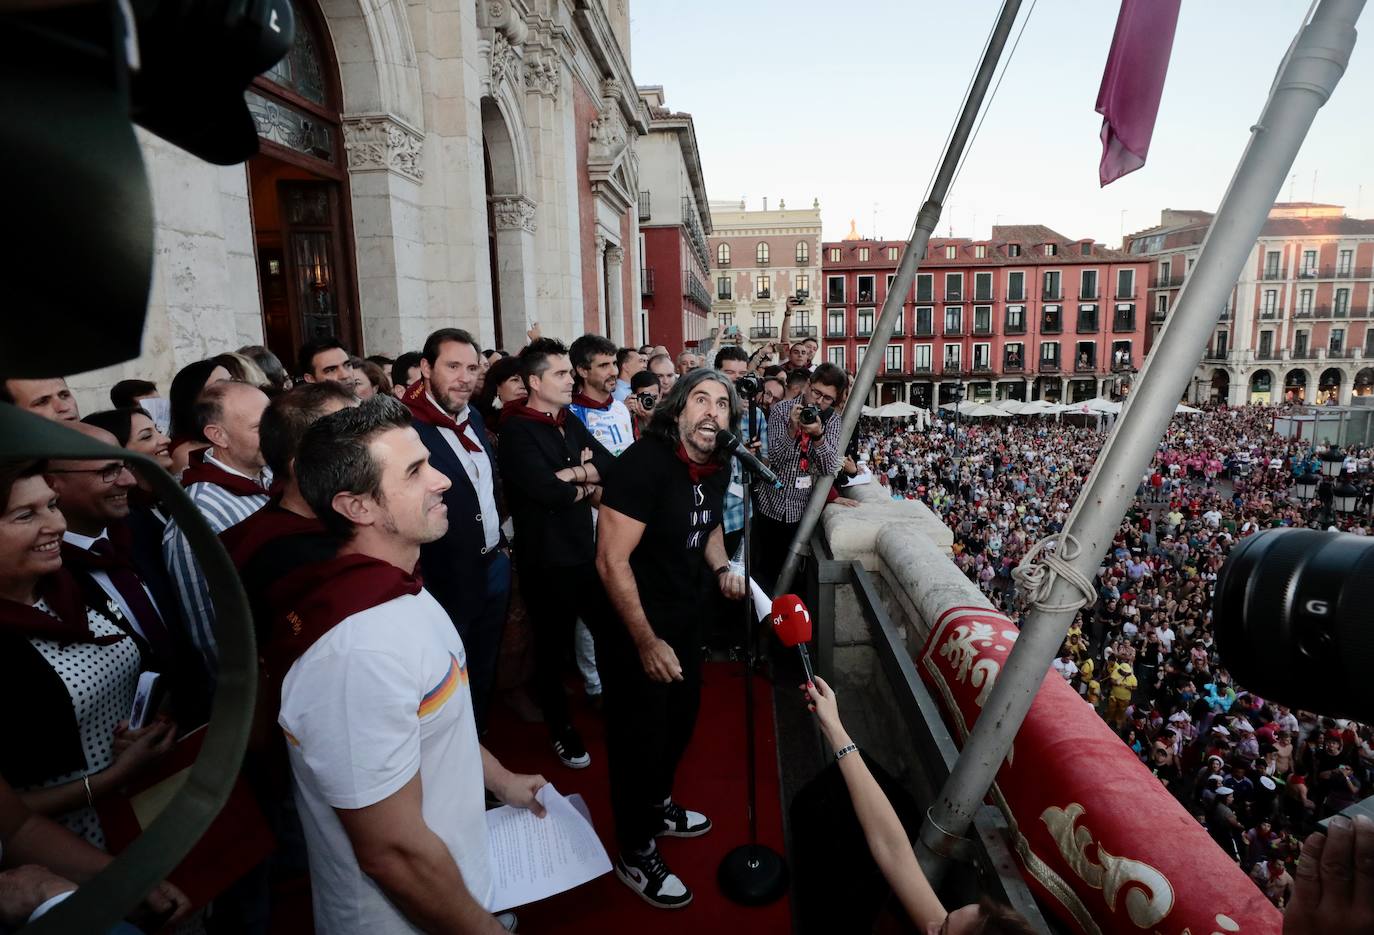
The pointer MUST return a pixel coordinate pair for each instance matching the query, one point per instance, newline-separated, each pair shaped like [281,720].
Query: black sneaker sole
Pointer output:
[646,897]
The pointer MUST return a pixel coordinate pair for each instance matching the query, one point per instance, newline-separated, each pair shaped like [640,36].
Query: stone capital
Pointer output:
[513,213]
[614,255]
[381,143]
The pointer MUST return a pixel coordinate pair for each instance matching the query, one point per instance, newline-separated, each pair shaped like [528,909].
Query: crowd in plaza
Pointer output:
[1254,772]
[422,537]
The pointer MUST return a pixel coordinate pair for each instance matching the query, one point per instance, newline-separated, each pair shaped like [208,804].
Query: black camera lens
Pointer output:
[646,400]
[809,415]
[748,386]
[1294,619]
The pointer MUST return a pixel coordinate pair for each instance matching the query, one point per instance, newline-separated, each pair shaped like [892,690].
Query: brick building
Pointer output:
[674,221]
[765,261]
[1026,314]
[1297,325]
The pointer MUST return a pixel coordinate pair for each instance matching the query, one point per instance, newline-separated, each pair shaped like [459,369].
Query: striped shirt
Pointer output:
[221,509]
[823,458]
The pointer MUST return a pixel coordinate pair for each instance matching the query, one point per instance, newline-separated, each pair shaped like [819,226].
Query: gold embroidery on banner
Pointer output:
[1148,895]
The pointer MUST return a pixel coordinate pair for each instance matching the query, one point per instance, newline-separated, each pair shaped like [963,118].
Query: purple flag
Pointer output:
[1133,82]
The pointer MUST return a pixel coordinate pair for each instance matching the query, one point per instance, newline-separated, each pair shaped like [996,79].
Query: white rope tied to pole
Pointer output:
[1037,578]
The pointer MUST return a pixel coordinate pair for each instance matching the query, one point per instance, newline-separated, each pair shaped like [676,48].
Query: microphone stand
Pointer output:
[752,874]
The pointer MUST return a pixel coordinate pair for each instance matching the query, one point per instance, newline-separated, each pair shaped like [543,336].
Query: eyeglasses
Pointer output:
[825,398]
[108,474]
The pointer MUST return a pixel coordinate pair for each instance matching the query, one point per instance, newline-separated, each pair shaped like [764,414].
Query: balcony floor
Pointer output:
[710,779]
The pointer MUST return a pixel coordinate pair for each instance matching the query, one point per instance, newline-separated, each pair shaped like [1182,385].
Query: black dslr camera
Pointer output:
[809,415]
[748,386]
[1294,618]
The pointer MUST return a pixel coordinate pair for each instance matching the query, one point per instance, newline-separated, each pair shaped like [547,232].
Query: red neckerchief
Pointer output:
[698,472]
[423,409]
[310,601]
[518,410]
[202,471]
[243,540]
[67,623]
[586,402]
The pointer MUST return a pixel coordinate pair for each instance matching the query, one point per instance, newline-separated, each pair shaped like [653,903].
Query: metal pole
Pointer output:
[926,219]
[1304,83]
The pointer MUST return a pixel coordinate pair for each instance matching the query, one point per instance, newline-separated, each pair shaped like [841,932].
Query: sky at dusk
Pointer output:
[850,103]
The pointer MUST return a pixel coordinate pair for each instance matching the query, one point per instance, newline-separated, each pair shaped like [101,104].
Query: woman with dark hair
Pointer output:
[133,428]
[891,847]
[69,661]
[186,388]
[278,379]
[503,385]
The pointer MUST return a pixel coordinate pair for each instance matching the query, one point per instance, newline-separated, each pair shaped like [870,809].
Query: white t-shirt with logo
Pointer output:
[379,697]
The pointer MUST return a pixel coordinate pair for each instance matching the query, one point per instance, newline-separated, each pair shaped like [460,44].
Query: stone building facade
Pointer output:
[764,261]
[423,164]
[1299,326]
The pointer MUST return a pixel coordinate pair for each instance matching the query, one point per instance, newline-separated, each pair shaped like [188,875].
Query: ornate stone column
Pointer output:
[514,217]
[615,295]
[602,320]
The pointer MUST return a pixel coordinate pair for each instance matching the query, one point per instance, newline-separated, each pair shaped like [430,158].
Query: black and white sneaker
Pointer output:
[567,743]
[679,822]
[650,877]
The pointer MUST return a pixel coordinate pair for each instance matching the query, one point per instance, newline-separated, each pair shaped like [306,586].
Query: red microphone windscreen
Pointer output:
[791,620]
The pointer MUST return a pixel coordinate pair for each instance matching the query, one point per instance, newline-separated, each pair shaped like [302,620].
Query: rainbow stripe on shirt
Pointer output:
[435,698]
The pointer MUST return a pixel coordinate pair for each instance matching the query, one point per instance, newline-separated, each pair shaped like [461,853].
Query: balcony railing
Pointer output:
[1087,325]
[1123,324]
[696,290]
[864,331]
[1125,296]
[983,329]
[802,331]
[1166,282]
[1125,363]
[646,281]
[1056,295]
[1016,295]
[725,296]
[1049,366]
[1084,366]
[834,298]
[761,260]
[1013,366]
[1019,328]
[1303,353]
[1211,354]
[1051,327]
[865,296]
[984,295]
[893,371]
[763,331]
[921,368]
[952,332]
[644,212]
[763,294]
[956,295]
[924,331]
[1266,353]
[982,366]
[1270,275]
[1090,296]
[952,368]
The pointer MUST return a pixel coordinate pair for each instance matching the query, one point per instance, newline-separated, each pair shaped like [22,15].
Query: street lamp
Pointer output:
[1305,487]
[1332,462]
[1346,498]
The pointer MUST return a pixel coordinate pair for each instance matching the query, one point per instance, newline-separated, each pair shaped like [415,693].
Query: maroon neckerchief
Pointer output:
[423,409]
[519,410]
[202,471]
[66,624]
[243,540]
[698,472]
[309,602]
[586,402]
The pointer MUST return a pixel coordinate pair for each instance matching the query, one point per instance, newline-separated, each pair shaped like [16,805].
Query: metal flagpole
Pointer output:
[926,219]
[1063,582]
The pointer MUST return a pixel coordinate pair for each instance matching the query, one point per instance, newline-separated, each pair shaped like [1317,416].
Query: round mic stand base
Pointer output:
[752,875]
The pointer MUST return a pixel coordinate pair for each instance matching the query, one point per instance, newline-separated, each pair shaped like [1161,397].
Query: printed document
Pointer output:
[533,858]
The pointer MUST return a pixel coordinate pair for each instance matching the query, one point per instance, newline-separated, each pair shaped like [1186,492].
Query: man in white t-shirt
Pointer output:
[387,770]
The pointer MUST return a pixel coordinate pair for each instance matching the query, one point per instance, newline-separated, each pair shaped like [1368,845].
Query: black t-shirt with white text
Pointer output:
[650,484]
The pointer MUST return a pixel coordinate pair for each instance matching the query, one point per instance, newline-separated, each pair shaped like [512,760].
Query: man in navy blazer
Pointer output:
[468,569]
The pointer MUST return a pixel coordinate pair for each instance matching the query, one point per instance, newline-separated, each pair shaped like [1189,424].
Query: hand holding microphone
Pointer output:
[792,626]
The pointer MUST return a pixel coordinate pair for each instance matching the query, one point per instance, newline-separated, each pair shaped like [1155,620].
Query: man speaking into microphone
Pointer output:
[661,553]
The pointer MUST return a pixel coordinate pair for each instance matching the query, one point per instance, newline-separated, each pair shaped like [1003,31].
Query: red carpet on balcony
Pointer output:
[711,779]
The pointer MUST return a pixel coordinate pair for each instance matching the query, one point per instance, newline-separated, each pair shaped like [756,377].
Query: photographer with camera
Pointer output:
[734,363]
[806,445]
[643,397]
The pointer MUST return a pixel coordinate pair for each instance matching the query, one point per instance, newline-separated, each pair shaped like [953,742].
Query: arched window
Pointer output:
[803,253]
[761,253]
[723,255]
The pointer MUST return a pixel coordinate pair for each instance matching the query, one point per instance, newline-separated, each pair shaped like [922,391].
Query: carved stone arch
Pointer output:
[377,63]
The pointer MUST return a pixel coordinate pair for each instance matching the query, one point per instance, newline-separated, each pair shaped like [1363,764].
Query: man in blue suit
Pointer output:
[468,569]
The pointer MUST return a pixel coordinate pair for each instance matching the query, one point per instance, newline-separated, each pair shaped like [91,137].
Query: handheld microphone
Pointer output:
[792,626]
[728,441]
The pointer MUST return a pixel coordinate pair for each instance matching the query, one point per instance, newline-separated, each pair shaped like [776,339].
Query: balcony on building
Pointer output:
[1082,365]
[865,295]
[833,330]
[1087,321]
[1122,363]
[953,331]
[864,330]
[763,332]
[644,202]
[1087,295]
[1051,295]
[1167,282]
[1270,275]
[1049,365]
[1016,328]
[763,294]
[982,295]
[1013,364]
[1266,353]
[1123,320]
[952,368]
[921,368]
[1015,294]
[646,280]
[1125,296]
[893,371]
[802,331]
[834,295]
[1051,322]
[1214,354]
[982,367]
[953,294]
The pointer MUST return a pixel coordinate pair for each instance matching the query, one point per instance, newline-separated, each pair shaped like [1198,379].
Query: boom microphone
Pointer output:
[792,626]
[728,441]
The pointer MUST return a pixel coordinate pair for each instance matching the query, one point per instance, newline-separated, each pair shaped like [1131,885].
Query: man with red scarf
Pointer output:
[553,467]
[661,555]
[609,421]
[468,568]
[375,705]
[228,482]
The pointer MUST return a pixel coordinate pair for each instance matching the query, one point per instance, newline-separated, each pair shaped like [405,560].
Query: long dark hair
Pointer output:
[663,425]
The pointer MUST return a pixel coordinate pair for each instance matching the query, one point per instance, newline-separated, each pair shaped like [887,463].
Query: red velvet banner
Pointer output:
[1101,841]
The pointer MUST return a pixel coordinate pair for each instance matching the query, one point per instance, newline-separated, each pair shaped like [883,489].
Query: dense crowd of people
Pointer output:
[421,537]
[1256,773]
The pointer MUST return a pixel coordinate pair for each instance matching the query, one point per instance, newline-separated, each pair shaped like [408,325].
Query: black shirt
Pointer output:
[650,484]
